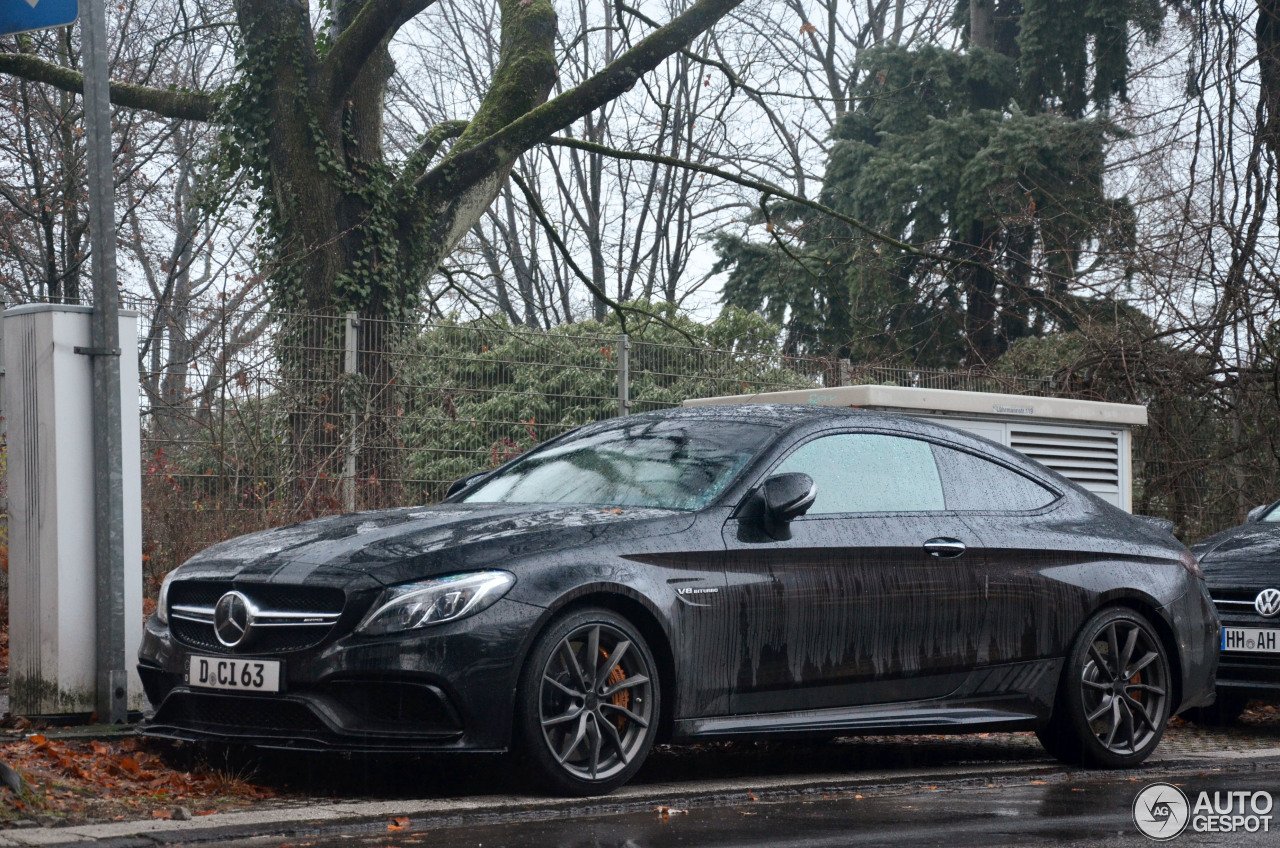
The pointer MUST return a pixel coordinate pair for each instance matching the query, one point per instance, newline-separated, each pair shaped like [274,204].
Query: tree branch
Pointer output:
[427,149]
[468,167]
[376,21]
[619,309]
[764,188]
[171,103]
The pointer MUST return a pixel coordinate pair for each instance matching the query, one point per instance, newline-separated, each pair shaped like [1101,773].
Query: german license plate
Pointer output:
[1251,639]
[242,675]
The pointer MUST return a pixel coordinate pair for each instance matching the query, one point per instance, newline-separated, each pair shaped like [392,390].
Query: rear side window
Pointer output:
[973,484]
[869,472]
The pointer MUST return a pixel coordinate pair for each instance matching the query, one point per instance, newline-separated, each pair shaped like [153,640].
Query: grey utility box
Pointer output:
[48,406]
[1088,442]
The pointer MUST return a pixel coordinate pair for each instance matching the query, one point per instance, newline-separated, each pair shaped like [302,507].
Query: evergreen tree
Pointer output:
[993,157]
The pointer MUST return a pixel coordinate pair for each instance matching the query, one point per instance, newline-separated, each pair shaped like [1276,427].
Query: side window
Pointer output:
[971,483]
[868,472]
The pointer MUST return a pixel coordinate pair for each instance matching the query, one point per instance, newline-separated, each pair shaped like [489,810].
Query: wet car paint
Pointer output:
[846,626]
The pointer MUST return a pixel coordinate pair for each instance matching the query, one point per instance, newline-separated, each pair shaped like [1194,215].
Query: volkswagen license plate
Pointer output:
[242,675]
[1251,639]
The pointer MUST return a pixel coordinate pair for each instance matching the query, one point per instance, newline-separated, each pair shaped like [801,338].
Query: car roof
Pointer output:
[798,418]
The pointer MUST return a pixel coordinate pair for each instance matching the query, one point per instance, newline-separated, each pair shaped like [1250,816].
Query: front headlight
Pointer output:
[434,601]
[162,602]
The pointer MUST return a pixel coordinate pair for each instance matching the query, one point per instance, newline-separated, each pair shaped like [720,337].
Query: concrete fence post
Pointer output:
[624,375]
[349,368]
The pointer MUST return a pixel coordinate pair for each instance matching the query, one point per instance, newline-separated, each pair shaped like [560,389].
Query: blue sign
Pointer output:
[26,15]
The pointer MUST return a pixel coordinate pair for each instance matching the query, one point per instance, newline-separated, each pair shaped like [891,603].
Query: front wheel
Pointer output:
[587,705]
[1115,694]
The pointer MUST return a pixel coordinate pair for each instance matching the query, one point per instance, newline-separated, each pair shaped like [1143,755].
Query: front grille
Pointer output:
[1236,606]
[319,599]
[191,604]
[237,712]
[277,640]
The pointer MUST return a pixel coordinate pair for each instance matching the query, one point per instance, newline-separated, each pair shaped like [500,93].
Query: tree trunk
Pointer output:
[982,25]
[1267,34]
[980,297]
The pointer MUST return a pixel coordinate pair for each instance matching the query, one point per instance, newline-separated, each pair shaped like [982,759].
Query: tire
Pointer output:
[1115,694]
[587,704]
[1223,712]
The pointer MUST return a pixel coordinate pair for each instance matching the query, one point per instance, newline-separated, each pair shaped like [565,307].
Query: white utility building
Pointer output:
[1089,442]
[48,406]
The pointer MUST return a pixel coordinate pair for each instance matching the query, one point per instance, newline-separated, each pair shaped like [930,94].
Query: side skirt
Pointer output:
[1018,696]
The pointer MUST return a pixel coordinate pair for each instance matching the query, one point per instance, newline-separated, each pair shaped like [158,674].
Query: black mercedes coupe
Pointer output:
[1242,569]
[730,572]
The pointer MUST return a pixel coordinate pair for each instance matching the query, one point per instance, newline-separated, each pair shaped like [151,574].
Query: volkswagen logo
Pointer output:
[232,617]
[1268,602]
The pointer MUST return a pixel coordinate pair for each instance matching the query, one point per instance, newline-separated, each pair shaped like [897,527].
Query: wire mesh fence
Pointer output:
[253,420]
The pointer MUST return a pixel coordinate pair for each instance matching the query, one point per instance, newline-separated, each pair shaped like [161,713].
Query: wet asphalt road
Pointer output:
[1057,811]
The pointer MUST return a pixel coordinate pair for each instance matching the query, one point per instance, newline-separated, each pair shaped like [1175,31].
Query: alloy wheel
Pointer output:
[595,702]
[1124,686]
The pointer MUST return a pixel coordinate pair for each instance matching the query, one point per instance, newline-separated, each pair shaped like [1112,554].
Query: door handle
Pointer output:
[945,548]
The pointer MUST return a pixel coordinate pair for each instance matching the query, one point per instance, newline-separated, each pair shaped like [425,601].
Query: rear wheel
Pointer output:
[1223,712]
[1114,698]
[587,709]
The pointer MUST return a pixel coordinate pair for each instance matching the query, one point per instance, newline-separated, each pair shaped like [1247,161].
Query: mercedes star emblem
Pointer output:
[232,618]
[1268,602]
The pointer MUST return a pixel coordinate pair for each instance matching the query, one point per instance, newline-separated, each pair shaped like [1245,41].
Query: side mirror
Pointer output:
[463,483]
[1256,513]
[786,497]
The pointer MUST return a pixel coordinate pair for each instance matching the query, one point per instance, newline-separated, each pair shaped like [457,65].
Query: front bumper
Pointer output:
[1243,670]
[1255,673]
[445,688]
[1195,625]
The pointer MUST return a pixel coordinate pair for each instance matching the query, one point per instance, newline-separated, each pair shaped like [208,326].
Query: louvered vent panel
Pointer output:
[1091,460]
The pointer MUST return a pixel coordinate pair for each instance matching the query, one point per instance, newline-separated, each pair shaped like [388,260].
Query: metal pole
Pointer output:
[349,368]
[108,470]
[624,375]
[4,498]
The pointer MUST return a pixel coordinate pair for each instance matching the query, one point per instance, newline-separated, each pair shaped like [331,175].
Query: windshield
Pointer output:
[665,464]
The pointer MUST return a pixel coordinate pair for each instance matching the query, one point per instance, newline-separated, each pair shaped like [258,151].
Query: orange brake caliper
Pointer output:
[623,698]
[1137,680]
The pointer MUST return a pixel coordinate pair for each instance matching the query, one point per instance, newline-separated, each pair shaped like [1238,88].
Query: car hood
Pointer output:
[1245,557]
[1254,543]
[392,546]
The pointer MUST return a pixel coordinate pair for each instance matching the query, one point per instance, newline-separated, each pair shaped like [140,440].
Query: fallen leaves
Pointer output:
[668,812]
[398,823]
[86,779]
